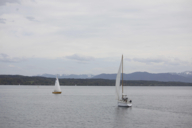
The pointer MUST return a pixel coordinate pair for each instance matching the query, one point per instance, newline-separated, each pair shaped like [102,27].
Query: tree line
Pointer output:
[35,80]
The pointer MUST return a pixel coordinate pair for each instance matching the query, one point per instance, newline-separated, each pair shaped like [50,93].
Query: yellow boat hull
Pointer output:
[56,92]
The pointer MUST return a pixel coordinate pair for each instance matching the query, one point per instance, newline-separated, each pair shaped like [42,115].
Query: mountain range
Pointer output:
[165,77]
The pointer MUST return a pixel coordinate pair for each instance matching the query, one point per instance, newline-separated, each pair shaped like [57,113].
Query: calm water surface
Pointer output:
[94,107]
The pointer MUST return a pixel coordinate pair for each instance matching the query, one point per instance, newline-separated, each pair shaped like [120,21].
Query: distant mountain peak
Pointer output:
[165,77]
[187,72]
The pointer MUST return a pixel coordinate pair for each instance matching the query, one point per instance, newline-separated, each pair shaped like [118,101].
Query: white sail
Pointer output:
[118,78]
[120,92]
[57,86]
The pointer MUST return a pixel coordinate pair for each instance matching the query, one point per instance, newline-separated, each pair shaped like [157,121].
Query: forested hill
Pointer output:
[25,80]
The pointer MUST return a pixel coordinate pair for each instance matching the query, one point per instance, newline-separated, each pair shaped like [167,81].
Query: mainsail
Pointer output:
[118,78]
[57,86]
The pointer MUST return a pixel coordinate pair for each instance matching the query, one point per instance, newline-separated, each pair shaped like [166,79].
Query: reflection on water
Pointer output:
[122,116]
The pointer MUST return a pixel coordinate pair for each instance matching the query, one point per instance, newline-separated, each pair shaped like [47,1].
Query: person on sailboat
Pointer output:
[124,97]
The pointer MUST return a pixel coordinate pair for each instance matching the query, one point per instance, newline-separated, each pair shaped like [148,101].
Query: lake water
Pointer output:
[94,107]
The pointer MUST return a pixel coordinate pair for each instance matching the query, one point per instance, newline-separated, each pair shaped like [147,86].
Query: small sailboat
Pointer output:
[57,89]
[123,100]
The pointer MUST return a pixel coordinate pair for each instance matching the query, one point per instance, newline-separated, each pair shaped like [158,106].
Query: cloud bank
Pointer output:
[7,58]
[159,60]
[91,36]
[80,57]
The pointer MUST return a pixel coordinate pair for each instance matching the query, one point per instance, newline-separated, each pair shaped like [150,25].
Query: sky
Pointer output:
[89,37]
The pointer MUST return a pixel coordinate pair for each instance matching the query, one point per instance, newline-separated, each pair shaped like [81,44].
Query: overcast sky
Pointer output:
[89,37]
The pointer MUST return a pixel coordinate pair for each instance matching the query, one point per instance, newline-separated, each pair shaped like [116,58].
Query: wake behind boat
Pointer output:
[57,89]
[123,100]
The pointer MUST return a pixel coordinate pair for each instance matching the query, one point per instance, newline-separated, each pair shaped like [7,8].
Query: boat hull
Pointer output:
[56,92]
[124,104]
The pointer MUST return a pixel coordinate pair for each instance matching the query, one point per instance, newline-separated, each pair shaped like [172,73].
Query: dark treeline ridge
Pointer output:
[34,80]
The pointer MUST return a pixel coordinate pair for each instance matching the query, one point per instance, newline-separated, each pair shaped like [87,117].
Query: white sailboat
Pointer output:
[57,89]
[123,100]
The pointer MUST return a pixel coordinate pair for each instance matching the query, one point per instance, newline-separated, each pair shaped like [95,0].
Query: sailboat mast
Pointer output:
[122,75]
